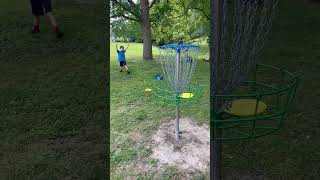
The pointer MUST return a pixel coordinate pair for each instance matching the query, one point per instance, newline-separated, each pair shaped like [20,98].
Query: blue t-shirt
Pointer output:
[121,55]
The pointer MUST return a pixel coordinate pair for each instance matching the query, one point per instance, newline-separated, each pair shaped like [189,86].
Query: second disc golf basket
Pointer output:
[248,99]
[178,62]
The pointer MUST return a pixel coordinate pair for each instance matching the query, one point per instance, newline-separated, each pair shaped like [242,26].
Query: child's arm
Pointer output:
[117,47]
[127,47]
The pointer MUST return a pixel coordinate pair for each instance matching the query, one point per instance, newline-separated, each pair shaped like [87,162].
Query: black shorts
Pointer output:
[41,7]
[123,63]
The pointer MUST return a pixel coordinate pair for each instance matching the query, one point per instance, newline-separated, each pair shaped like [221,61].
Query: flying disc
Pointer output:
[147,90]
[246,107]
[186,95]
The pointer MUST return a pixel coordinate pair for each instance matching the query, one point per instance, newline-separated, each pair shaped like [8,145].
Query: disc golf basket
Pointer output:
[248,99]
[258,106]
[178,62]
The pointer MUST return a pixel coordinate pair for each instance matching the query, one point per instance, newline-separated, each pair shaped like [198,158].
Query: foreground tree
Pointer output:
[138,11]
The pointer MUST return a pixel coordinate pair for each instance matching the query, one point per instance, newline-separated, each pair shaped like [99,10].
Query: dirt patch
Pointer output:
[191,154]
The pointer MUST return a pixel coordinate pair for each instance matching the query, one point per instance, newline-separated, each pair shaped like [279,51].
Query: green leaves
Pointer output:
[170,19]
[174,19]
[127,30]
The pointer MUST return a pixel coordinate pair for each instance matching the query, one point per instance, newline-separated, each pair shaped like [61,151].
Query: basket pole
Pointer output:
[177,95]
[177,123]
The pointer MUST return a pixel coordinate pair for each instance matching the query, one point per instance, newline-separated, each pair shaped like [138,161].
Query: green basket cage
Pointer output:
[165,96]
[259,105]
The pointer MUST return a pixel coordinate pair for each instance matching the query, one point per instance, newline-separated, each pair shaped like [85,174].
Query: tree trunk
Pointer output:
[215,88]
[146,30]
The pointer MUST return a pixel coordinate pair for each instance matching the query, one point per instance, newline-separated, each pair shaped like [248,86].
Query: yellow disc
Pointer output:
[246,107]
[186,95]
[147,89]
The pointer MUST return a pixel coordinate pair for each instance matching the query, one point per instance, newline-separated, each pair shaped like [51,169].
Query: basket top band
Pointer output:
[179,46]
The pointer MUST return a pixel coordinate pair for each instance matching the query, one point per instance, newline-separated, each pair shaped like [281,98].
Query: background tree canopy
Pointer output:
[170,21]
[126,30]
[174,19]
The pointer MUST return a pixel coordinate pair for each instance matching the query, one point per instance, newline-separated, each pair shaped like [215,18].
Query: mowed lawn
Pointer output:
[136,114]
[53,93]
[291,153]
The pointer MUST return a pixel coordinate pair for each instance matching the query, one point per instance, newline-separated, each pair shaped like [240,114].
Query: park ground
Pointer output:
[136,114]
[52,100]
[53,93]
[291,153]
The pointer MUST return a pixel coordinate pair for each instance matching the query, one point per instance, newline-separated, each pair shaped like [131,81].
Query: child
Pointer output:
[40,8]
[122,58]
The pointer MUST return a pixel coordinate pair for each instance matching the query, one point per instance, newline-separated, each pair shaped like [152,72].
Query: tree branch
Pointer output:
[133,5]
[178,16]
[152,3]
[203,12]
[124,16]
[126,8]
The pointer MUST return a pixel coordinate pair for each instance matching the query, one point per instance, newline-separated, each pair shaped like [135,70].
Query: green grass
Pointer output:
[291,153]
[52,93]
[52,104]
[135,114]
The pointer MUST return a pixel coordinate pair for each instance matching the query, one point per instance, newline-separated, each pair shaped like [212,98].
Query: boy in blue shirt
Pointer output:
[122,58]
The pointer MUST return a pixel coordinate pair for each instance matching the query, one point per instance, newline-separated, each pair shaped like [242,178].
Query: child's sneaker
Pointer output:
[121,70]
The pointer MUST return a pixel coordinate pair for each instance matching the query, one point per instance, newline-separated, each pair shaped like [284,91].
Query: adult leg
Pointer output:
[48,9]
[54,25]
[52,19]
[36,22]
[37,11]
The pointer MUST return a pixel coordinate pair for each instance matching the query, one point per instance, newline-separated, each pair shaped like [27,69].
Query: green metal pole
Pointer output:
[177,134]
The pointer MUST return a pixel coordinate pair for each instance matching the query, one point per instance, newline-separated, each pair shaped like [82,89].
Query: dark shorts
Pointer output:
[123,63]
[40,7]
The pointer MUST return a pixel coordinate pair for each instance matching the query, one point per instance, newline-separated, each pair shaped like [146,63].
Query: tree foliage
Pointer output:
[175,19]
[126,29]
[170,19]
